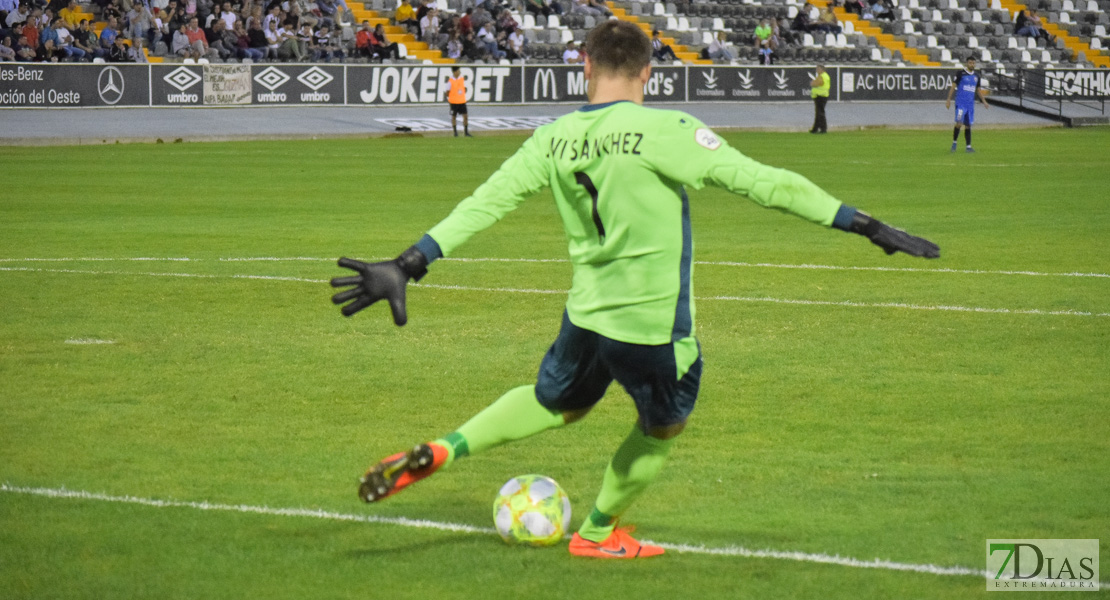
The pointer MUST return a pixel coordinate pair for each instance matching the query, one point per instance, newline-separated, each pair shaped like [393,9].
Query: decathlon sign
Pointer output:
[1077,84]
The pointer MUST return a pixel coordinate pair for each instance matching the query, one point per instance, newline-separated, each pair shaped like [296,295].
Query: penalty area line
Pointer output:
[750,299]
[727,551]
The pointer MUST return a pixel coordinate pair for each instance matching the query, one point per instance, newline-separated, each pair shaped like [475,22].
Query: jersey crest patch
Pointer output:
[707,139]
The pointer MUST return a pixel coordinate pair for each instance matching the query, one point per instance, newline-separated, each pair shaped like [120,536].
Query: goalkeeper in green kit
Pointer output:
[618,172]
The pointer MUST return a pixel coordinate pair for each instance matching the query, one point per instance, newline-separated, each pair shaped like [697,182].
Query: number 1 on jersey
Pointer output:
[584,180]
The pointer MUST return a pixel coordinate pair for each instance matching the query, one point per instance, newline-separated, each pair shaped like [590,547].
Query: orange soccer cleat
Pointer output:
[401,470]
[619,544]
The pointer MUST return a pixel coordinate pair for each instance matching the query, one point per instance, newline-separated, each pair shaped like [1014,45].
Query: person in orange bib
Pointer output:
[456,99]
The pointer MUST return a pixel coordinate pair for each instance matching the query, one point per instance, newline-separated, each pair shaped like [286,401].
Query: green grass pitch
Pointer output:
[888,408]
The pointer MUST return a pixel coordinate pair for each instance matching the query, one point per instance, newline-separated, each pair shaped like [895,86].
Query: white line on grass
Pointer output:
[788,301]
[803,266]
[88,341]
[736,551]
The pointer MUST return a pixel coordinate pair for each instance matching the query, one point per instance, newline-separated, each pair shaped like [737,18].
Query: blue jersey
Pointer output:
[967,88]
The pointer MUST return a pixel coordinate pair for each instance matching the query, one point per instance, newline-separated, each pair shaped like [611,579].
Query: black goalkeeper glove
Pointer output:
[380,280]
[892,239]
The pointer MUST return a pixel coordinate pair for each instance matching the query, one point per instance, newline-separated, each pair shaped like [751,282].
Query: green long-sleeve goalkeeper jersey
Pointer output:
[618,172]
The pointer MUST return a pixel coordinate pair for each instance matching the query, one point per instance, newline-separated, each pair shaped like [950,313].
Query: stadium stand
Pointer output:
[921,33]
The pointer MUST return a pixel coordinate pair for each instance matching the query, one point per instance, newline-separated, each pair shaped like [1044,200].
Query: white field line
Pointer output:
[787,301]
[88,341]
[732,551]
[804,266]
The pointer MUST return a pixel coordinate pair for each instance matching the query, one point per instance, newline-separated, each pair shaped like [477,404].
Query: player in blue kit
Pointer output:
[966,85]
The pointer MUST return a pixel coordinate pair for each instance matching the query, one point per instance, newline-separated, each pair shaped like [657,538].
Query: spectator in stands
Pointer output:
[329,12]
[422,11]
[488,39]
[140,21]
[362,41]
[880,9]
[48,52]
[66,41]
[406,16]
[514,44]
[7,50]
[246,46]
[719,49]
[454,46]
[31,32]
[283,43]
[112,10]
[18,16]
[305,40]
[327,46]
[136,54]
[826,21]
[198,41]
[228,16]
[229,39]
[589,7]
[81,39]
[119,51]
[71,14]
[480,17]
[255,14]
[802,21]
[180,45]
[6,8]
[429,25]
[571,55]
[506,21]
[660,51]
[538,8]
[175,17]
[46,32]
[765,42]
[1029,25]
[855,6]
[24,51]
[381,46]
[215,37]
[273,15]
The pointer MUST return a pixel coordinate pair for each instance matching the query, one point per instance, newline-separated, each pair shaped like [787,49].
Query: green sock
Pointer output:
[636,464]
[514,416]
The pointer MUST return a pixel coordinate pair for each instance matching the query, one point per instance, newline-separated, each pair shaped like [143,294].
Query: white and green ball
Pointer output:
[531,510]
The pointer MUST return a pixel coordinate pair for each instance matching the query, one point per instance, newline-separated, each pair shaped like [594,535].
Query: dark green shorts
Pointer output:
[581,364]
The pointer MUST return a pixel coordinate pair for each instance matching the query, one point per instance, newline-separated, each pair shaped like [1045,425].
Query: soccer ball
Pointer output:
[531,510]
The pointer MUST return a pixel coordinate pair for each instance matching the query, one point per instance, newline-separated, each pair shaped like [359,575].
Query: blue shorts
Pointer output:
[581,364]
[965,114]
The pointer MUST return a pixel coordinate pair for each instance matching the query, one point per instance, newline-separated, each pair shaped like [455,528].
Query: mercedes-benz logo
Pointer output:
[110,85]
